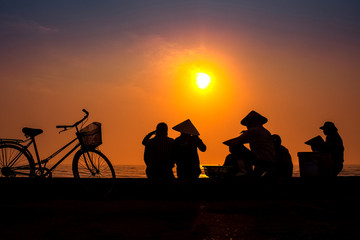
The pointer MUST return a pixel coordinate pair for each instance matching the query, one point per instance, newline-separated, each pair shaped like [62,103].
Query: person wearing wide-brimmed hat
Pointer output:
[239,166]
[334,147]
[262,151]
[185,151]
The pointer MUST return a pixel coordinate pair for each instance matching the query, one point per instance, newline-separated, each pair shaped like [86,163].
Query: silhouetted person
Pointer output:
[186,154]
[284,165]
[158,155]
[262,151]
[239,166]
[334,147]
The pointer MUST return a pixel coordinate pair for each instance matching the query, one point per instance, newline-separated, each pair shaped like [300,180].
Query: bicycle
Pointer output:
[16,159]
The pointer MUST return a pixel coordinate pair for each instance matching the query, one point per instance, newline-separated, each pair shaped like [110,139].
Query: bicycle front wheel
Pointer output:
[15,162]
[92,164]
[94,171]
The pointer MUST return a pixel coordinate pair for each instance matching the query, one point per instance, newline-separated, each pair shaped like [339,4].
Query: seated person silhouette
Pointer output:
[331,150]
[284,165]
[334,147]
[158,155]
[186,151]
[239,166]
[262,151]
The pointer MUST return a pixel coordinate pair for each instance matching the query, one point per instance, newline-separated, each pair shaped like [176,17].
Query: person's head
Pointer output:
[329,128]
[161,129]
[277,140]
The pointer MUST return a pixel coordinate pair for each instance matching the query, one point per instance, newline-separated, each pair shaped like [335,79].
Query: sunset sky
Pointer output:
[132,64]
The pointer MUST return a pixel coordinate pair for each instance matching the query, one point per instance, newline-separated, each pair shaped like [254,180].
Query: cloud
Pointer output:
[16,25]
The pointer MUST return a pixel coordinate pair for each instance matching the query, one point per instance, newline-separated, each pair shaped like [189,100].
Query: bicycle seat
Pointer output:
[31,132]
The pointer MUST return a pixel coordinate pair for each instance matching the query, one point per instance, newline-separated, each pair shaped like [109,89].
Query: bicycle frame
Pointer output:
[46,160]
[42,163]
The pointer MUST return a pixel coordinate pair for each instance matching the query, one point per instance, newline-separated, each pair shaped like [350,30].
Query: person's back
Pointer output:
[285,162]
[284,165]
[158,155]
[261,143]
[336,147]
[187,158]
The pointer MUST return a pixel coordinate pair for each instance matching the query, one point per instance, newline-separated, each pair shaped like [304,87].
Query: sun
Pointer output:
[203,80]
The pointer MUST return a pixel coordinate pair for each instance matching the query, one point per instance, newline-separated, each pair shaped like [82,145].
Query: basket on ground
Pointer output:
[91,135]
[217,171]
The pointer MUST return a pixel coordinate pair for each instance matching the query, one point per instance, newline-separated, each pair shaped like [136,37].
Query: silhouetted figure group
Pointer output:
[265,157]
[163,153]
[268,157]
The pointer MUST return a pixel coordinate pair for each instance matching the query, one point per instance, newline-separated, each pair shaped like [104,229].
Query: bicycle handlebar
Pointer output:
[75,124]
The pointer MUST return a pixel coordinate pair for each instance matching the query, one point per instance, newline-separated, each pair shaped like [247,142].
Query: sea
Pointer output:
[138,171]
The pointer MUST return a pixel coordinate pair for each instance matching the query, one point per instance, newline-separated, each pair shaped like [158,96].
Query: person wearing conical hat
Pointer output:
[158,154]
[186,151]
[239,166]
[262,151]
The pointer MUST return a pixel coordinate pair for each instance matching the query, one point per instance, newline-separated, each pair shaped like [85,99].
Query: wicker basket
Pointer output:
[91,135]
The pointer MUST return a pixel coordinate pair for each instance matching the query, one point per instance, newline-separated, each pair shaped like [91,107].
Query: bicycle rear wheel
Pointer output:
[94,166]
[15,161]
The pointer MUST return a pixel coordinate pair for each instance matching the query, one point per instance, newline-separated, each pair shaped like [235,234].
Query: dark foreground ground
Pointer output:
[207,209]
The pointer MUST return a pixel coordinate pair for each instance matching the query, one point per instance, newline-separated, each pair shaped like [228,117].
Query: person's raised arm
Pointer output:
[244,137]
[200,144]
[147,138]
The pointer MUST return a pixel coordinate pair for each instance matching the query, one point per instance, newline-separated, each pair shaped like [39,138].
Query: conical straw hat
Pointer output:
[186,127]
[232,142]
[252,116]
[318,140]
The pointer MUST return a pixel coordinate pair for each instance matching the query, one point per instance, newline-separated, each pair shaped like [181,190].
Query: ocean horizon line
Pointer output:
[138,170]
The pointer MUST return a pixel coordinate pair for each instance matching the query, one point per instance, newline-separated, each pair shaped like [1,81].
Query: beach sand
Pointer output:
[291,212]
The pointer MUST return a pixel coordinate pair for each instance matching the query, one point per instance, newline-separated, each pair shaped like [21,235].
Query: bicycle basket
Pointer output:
[91,135]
